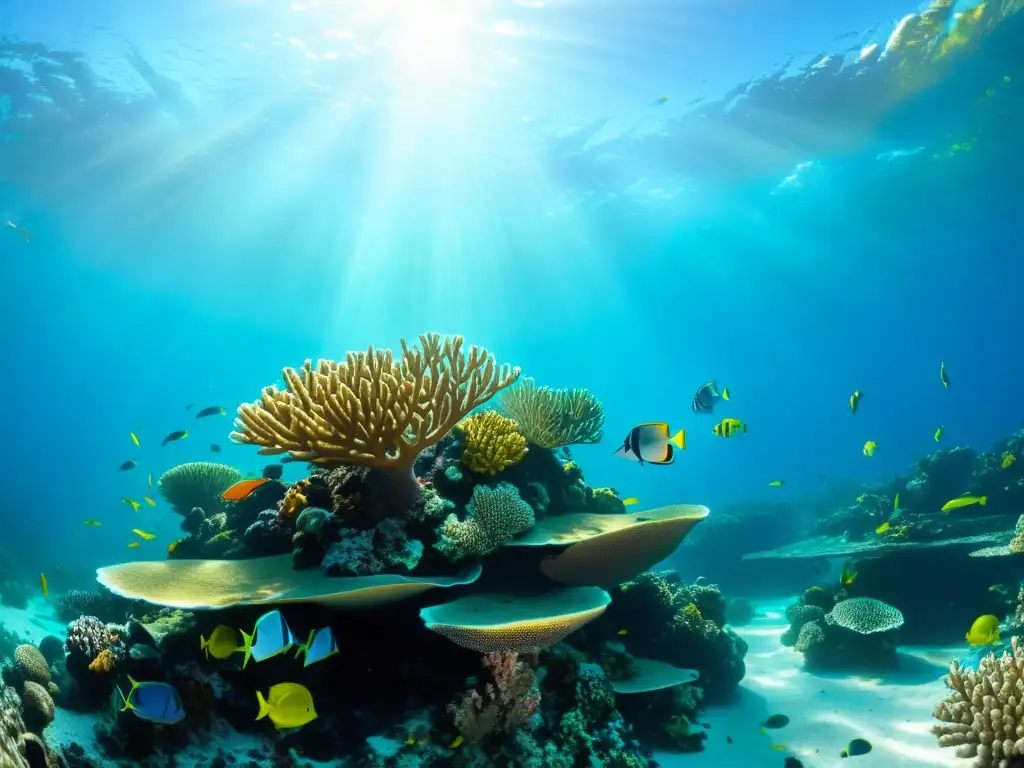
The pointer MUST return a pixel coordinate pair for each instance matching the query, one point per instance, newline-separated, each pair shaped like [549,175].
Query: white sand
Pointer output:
[892,711]
[34,622]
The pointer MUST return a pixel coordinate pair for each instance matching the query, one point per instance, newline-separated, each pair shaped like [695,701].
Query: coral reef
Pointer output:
[551,418]
[504,699]
[198,484]
[490,443]
[493,517]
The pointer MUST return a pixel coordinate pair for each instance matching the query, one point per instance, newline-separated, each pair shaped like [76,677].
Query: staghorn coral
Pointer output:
[493,517]
[983,716]
[552,418]
[491,442]
[372,409]
[197,484]
[505,698]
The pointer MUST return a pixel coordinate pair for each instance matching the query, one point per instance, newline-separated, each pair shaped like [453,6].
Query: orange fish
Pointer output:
[242,489]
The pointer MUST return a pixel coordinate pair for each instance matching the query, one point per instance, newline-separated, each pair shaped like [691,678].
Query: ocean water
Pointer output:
[217,190]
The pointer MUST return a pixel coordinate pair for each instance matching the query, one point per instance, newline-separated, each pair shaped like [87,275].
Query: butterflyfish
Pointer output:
[149,501]
[856,747]
[144,534]
[288,705]
[45,586]
[269,637]
[130,464]
[320,645]
[651,443]
[1008,459]
[630,501]
[93,523]
[984,631]
[964,501]
[776,483]
[938,434]
[133,545]
[242,489]
[222,643]
[869,448]
[181,434]
[134,437]
[848,576]
[707,397]
[855,401]
[156,702]
[213,410]
[21,232]
[943,376]
[729,428]
[132,503]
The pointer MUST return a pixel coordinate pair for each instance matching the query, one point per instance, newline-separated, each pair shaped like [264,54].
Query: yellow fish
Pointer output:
[883,528]
[622,632]
[288,705]
[861,498]
[133,545]
[149,501]
[847,577]
[1008,459]
[144,534]
[134,437]
[776,483]
[150,480]
[943,376]
[964,501]
[869,448]
[457,743]
[729,427]
[855,401]
[93,523]
[984,631]
[938,434]
[630,501]
[134,504]
[410,741]
[779,747]
[222,643]
[45,586]
[896,503]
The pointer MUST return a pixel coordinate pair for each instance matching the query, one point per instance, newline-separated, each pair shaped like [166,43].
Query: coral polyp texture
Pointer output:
[552,418]
[983,717]
[373,409]
[493,517]
[491,442]
[197,484]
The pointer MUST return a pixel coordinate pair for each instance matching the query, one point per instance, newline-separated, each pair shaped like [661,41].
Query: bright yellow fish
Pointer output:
[896,502]
[149,501]
[630,501]
[938,434]
[93,523]
[134,437]
[134,504]
[45,586]
[883,528]
[847,577]
[869,448]
[289,705]
[964,501]
[861,498]
[133,545]
[943,376]
[1008,459]
[776,483]
[622,632]
[854,401]
[457,743]
[222,643]
[144,534]
[984,631]
[150,480]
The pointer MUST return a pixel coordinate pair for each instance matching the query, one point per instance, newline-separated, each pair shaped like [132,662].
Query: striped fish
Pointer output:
[707,397]
[651,444]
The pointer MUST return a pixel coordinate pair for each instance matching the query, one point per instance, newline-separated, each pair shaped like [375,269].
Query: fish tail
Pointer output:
[127,704]
[679,438]
[263,705]
[725,393]
[983,500]
[744,426]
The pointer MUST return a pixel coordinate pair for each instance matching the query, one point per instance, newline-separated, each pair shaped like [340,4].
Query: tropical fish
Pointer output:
[93,523]
[855,401]
[707,397]
[659,101]
[149,500]
[776,721]
[1008,459]
[776,483]
[149,479]
[630,501]
[156,702]
[134,504]
[964,501]
[45,586]
[130,464]
[651,443]
[848,576]
[622,632]
[213,410]
[214,447]
[181,434]
[242,489]
[856,747]
[729,428]
[144,534]
[320,645]
[133,545]
[883,528]
[896,503]
[134,437]
[779,747]
[861,498]
[288,705]
[943,376]
[273,471]
[984,631]
[410,740]
[21,232]
[222,643]
[190,406]
[869,448]
[938,434]
[457,743]
[269,637]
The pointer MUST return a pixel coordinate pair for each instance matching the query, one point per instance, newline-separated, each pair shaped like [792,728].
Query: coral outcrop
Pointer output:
[552,418]
[493,517]
[198,484]
[490,443]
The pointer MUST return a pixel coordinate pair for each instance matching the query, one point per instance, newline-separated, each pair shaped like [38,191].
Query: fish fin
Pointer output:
[983,500]
[679,438]
[246,647]
[725,393]
[134,682]
[127,704]
[263,705]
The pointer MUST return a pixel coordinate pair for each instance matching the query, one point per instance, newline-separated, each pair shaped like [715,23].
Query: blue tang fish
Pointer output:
[320,645]
[156,702]
[269,637]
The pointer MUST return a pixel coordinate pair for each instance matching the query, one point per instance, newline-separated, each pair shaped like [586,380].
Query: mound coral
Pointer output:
[493,517]
[983,717]
[31,664]
[372,409]
[552,418]
[38,707]
[491,442]
[865,615]
[197,484]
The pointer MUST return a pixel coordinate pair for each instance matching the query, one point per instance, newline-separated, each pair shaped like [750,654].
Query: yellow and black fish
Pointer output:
[651,444]
[181,434]
[729,428]
[707,397]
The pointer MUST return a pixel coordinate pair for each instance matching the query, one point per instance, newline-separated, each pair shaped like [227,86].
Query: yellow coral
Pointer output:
[570,466]
[691,611]
[295,499]
[103,663]
[491,443]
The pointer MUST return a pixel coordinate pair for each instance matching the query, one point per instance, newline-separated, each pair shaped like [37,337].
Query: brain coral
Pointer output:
[865,615]
[494,516]
[38,706]
[197,484]
[491,442]
[32,664]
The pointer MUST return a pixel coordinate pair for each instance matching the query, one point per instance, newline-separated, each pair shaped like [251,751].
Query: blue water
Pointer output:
[218,190]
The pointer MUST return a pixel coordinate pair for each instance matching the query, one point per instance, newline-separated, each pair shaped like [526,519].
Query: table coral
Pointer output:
[551,418]
[490,443]
[493,517]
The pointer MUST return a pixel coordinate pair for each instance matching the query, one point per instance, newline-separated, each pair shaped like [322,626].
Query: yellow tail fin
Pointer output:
[264,706]
[983,500]
[725,393]
[246,647]
[679,438]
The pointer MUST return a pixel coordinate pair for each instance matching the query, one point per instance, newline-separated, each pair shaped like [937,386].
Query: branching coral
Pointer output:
[494,516]
[552,418]
[984,714]
[373,409]
[491,443]
[505,699]
[197,484]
